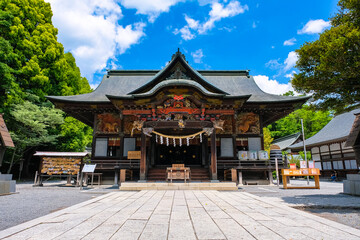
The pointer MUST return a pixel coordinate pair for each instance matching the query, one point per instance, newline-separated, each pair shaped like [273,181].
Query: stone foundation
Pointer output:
[352,184]
[7,185]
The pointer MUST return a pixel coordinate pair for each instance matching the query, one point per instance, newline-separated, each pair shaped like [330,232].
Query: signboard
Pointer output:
[303,164]
[292,165]
[89,168]
[60,165]
[301,172]
[134,154]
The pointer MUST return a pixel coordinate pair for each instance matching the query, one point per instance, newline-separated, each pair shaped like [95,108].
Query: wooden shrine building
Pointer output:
[176,116]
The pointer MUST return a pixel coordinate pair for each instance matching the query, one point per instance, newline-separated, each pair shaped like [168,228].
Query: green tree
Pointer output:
[330,66]
[35,125]
[314,121]
[33,62]
[267,139]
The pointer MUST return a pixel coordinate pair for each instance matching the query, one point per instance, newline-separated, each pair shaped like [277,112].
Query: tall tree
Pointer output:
[33,62]
[330,66]
[35,126]
[314,121]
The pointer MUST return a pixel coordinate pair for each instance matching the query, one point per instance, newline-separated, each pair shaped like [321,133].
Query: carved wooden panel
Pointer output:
[248,123]
[128,125]
[227,127]
[107,123]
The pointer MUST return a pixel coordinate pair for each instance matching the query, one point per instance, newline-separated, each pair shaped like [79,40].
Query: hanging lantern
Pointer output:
[201,137]
[167,141]
[161,140]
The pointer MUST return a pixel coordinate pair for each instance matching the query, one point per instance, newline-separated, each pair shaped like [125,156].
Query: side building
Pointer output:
[176,115]
[328,147]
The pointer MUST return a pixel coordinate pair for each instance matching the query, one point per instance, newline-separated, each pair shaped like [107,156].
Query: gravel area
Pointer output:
[328,201]
[32,202]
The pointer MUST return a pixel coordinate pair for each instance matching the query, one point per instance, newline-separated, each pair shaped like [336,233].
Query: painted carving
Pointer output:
[248,123]
[147,131]
[137,125]
[108,123]
[177,104]
[181,123]
[208,131]
[218,124]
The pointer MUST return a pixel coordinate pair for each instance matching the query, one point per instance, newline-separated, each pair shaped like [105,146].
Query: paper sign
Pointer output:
[292,165]
[243,155]
[311,164]
[252,155]
[303,164]
[89,168]
[263,155]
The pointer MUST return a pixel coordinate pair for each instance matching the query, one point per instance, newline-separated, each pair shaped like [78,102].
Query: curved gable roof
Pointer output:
[337,129]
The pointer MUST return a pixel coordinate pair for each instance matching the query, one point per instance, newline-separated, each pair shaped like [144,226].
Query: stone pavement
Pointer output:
[180,215]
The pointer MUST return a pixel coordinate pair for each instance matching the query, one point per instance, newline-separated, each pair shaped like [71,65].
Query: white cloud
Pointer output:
[218,12]
[185,33]
[314,26]
[290,42]
[89,29]
[152,8]
[273,64]
[290,61]
[197,55]
[290,75]
[129,35]
[272,86]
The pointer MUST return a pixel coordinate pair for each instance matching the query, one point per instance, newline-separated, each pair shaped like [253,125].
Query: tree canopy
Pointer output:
[330,66]
[33,63]
[314,121]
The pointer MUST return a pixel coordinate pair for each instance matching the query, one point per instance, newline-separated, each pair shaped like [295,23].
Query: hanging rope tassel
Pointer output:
[187,141]
[161,140]
[201,137]
[156,138]
[167,141]
[180,142]
[174,140]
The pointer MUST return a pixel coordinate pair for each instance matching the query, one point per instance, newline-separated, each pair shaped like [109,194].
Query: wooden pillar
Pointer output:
[213,156]
[143,157]
[203,151]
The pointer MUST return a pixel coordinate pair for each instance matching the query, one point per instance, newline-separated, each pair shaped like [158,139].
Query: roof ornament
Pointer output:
[178,53]
[178,74]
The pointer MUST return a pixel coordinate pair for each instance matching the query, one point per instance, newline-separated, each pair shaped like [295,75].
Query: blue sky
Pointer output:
[257,35]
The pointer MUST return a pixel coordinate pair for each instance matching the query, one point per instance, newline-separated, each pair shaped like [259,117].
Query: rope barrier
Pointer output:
[179,137]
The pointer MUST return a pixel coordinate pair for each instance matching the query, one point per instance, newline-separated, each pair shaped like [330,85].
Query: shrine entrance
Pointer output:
[188,155]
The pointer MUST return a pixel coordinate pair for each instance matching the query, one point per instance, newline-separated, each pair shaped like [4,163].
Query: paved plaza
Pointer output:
[180,215]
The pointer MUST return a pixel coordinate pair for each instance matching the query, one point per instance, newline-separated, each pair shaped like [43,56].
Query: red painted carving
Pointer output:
[178,97]
[178,110]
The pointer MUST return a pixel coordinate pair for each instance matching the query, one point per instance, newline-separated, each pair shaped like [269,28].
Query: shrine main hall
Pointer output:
[208,121]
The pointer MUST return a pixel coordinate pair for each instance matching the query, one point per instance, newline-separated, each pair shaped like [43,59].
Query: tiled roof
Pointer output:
[337,129]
